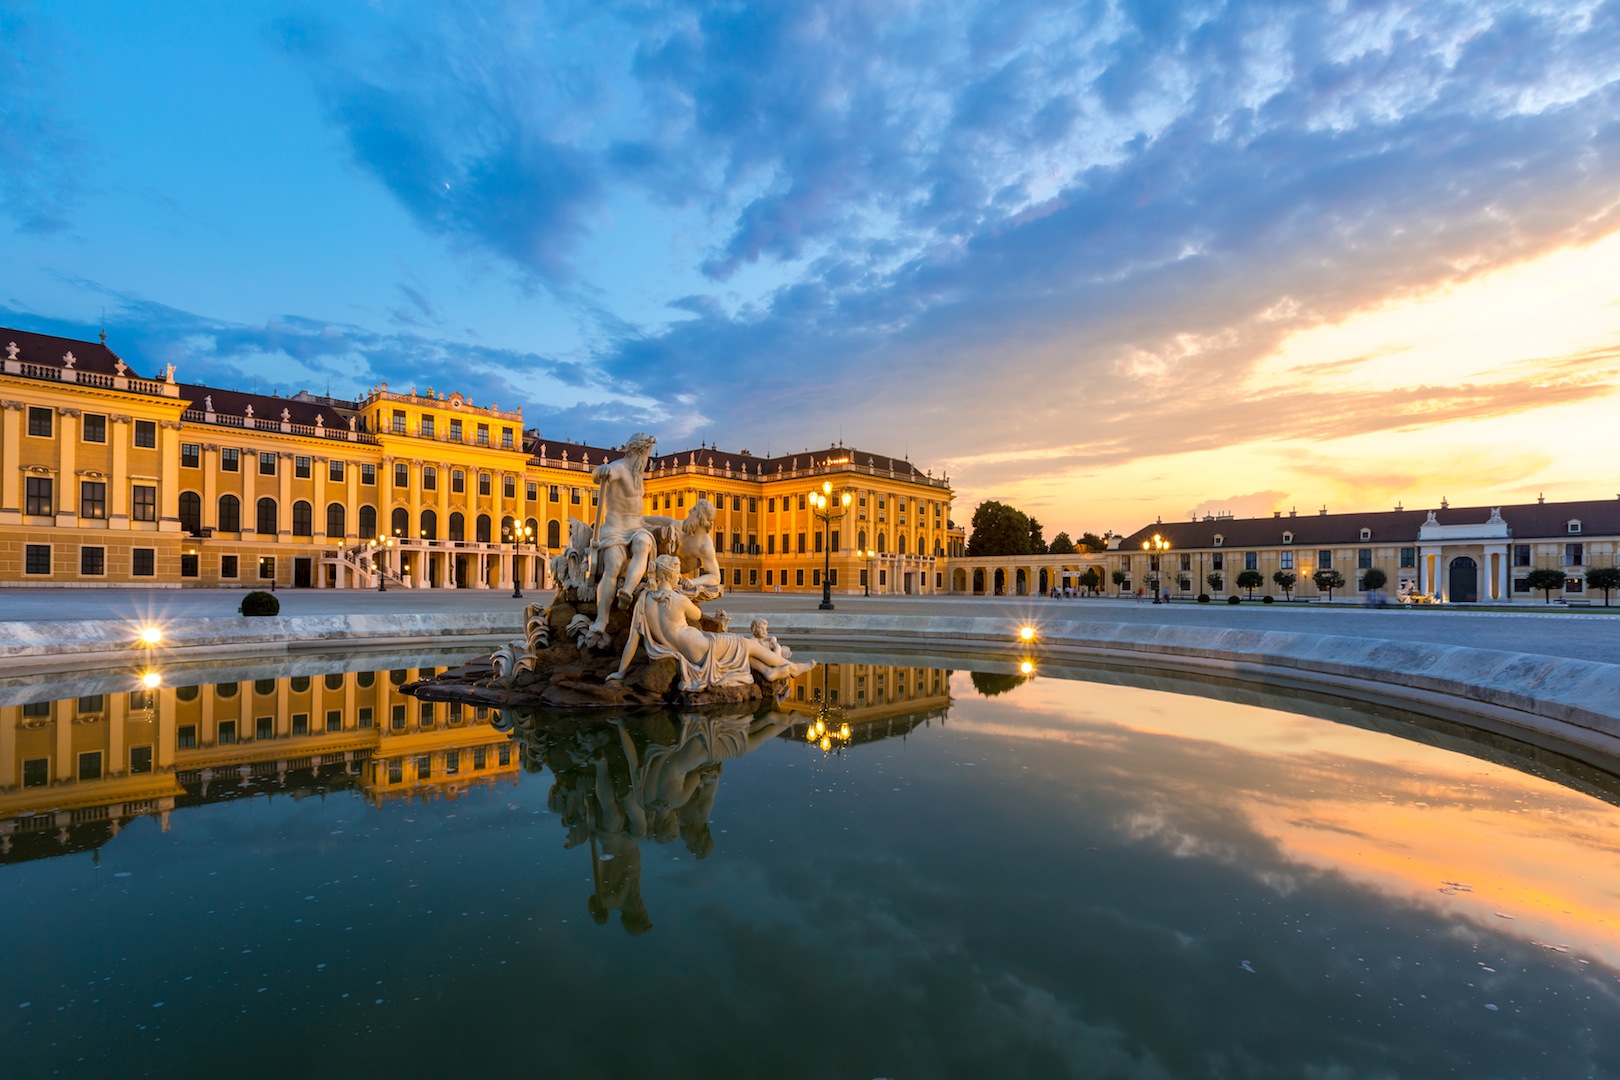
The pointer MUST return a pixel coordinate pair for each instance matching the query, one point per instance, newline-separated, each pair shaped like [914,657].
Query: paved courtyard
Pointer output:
[1584,635]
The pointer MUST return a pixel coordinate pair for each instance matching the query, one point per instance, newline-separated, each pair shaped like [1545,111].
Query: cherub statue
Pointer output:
[760,629]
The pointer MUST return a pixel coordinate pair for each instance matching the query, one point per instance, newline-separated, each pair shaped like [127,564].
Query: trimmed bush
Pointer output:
[260,603]
[1234,599]
[1203,598]
[1268,599]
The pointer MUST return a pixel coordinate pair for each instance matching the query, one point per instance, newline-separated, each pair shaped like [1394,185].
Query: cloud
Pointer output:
[44,156]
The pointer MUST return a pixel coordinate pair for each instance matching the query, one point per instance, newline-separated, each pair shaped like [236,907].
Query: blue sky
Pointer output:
[1104,260]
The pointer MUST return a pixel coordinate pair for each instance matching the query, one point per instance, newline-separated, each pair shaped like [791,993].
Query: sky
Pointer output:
[1110,262]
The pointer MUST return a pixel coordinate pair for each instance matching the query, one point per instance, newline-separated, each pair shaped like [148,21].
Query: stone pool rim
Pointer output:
[1573,702]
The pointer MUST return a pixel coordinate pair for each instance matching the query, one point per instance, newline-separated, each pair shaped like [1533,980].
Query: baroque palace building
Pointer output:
[111,478]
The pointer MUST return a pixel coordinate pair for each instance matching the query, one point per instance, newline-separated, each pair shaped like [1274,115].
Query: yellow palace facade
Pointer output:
[110,478]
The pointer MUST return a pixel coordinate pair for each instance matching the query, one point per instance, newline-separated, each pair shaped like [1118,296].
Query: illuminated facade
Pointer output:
[107,478]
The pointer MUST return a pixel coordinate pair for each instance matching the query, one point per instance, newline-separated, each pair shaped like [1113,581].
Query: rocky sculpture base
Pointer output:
[562,675]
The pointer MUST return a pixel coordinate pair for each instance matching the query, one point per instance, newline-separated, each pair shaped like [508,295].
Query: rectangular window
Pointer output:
[1521,555]
[396,771]
[39,501]
[768,577]
[770,544]
[146,433]
[1574,585]
[396,718]
[1574,554]
[430,478]
[1251,560]
[402,474]
[1364,558]
[424,767]
[230,460]
[227,567]
[736,576]
[573,496]
[480,757]
[399,421]
[143,562]
[368,473]
[818,543]
[334,720]
[753,504]
[798,577]
[553,494]
[334,471]
[455,431]
[815,577]
[1521,585]
[503,754]
[301,467]
[1186,562]
[37,559]
[506,438]
[36,710]
[1408,557]
[267,464]
[531,491]
[483,434]
[458,481]
[140,759]
[1324,559]
[227,733]
[90,765]
[185,737]
[424,714]
[92,499]
[264,727]
[483,483]
[1217,561]
[39,422]
[300,723]
[770,505]
[267,568]
[801,502]
[508,487]
[95,428]
[92,561]
[452,762]
[832,577]
[144,505]
[427,427]
[362,717]
[1286,560]
[190,455]
[753,577]
[189,566]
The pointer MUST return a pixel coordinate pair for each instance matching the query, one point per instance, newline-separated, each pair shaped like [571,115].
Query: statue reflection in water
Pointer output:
[636,777]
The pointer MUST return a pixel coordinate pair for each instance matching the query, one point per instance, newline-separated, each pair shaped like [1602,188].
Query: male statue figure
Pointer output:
[691,539]
[622,543]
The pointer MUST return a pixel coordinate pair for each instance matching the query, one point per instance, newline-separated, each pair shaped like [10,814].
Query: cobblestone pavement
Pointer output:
[1587,635]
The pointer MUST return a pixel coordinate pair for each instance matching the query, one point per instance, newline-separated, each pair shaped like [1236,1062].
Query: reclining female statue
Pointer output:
[668,622]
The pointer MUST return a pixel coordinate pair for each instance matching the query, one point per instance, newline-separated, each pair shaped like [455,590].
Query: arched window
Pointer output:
[900,544]
[883,543]
[230,513]
[337,516]
[268,518]
[860,540]
[506,528]
[400,521]
[430,525]
[368,522]
[303,519]
[458,526]
[482,536]
[534,530]
[553,533]
[190,511]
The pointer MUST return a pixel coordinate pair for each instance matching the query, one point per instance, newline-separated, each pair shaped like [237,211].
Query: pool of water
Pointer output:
[304,871]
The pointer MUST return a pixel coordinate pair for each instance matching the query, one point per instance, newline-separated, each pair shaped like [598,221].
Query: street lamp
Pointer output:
[381,545]
[868,555]
[820,505]
[1156,549]
[519,537]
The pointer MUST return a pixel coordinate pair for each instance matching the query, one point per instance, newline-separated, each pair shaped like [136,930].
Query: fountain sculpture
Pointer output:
[624,627]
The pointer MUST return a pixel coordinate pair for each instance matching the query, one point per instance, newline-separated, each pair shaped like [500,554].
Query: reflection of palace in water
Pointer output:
[877,701]
[73,772]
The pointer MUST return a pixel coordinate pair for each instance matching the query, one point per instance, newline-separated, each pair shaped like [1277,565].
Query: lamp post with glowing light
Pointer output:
[821,505]
[1156,549]
[828,728]
[380,547]
[520,535]
[868,555]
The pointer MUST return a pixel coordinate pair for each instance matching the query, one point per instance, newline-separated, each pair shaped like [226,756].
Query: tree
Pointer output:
[991,683]
[999,529]
[1037,545]
[1545,580]
[1251,580]
[1285,581]
[1374,578]
[1120,578]
[1215,581]
[1327,581]
[1606,578]
[1090,541]
[1060,545]
[1091,579]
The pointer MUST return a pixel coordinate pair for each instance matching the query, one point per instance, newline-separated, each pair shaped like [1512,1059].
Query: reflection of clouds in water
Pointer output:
[1399,816]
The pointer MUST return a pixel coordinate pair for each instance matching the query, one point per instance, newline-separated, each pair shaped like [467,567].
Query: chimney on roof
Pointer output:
[1323,511]
[1276,513]
[1445,504]
[1293,511]
[1541,498]
[1399,508]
